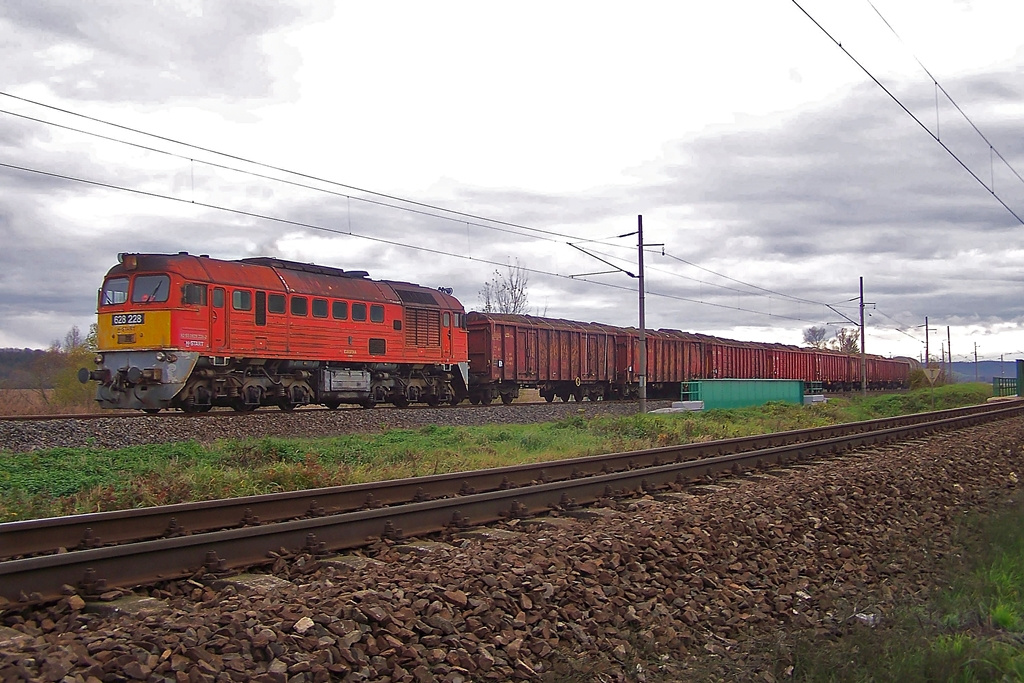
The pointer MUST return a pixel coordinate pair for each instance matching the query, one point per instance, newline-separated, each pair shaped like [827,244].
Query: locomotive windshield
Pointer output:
[115,291]
[150,288]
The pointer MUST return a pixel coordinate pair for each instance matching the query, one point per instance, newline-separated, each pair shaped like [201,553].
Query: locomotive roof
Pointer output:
[280,275]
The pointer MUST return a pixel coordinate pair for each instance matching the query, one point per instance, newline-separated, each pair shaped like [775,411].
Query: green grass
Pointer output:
[76,480]
[970,632]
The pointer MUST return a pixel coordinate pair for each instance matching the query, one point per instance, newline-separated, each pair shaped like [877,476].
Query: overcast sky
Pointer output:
[772,168]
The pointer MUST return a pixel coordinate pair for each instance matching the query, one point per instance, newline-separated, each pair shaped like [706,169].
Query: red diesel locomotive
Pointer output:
[192,332]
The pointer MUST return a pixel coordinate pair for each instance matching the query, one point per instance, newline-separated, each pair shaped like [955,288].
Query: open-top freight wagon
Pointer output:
[572,360]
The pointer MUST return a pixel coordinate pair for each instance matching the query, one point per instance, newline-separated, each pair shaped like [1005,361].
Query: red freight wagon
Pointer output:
[559,357]
[789,362]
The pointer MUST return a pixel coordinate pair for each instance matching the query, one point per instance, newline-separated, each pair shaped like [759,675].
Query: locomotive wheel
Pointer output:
[286,405]
[332,405]
[242,407]
[454,400]
[401,401]
[368,402]
[433,400]
[151,411]
[507,398]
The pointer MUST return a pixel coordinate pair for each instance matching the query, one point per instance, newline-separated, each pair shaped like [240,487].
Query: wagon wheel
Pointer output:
[578,394]
[565,396]
[548,397]
[507,398]
[151,411]
[475,400]
[486,400]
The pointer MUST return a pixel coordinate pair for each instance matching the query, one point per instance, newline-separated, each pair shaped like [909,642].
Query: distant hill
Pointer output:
[986,370]
[16,368]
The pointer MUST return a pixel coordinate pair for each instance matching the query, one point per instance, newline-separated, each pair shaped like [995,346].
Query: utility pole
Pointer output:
[926,359]
[863,336]
[975,361]
[642,375]
[643,328]
[949,354]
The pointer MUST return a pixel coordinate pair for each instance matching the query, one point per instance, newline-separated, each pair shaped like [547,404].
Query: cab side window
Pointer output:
[193,294]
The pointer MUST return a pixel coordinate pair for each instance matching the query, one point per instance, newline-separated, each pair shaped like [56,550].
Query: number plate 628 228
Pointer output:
[127,318]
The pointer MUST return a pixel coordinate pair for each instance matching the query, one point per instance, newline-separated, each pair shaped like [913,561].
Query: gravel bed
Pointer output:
[120,431]
[709,583]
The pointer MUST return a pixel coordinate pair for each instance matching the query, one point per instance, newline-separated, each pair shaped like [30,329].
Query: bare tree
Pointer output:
[815,336]
[507,292]
[846,341]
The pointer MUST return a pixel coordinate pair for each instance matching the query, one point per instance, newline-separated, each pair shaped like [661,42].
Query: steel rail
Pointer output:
[89,571]
[220,412]
[85,531]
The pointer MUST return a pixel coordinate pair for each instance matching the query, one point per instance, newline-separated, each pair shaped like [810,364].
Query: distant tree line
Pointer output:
[52,373]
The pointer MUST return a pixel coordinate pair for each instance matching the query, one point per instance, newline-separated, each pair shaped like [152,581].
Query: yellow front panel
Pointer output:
[134,330]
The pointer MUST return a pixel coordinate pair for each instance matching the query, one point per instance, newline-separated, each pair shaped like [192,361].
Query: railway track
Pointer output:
[93,553]
[228,412]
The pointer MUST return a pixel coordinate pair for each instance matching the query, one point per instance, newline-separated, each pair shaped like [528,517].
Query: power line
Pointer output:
[909,113]
[540,233]
[948,96]
[462,216]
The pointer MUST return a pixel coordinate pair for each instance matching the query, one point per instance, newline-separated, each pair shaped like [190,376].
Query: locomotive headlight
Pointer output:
[161,356]
[98,360]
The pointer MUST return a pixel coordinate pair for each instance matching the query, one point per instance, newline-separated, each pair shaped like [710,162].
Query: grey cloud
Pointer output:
[143,52]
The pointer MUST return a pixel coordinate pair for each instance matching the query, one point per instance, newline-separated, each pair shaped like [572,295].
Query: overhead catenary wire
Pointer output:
[395,243]
[909,113]
[461,216]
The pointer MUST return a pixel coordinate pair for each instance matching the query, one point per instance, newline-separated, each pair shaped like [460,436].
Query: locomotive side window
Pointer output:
[193,294]
[151,288]
[319,308]
[359,312]
[218,297]
[300,305]
[339,310]
[376,313]
[275,303]
[115,291]
[446,319]
[241,300]
[458,320]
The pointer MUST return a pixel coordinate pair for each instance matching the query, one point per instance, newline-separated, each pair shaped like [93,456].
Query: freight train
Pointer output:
[192,332]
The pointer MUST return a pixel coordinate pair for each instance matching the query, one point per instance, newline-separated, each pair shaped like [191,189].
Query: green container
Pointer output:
[739,393]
